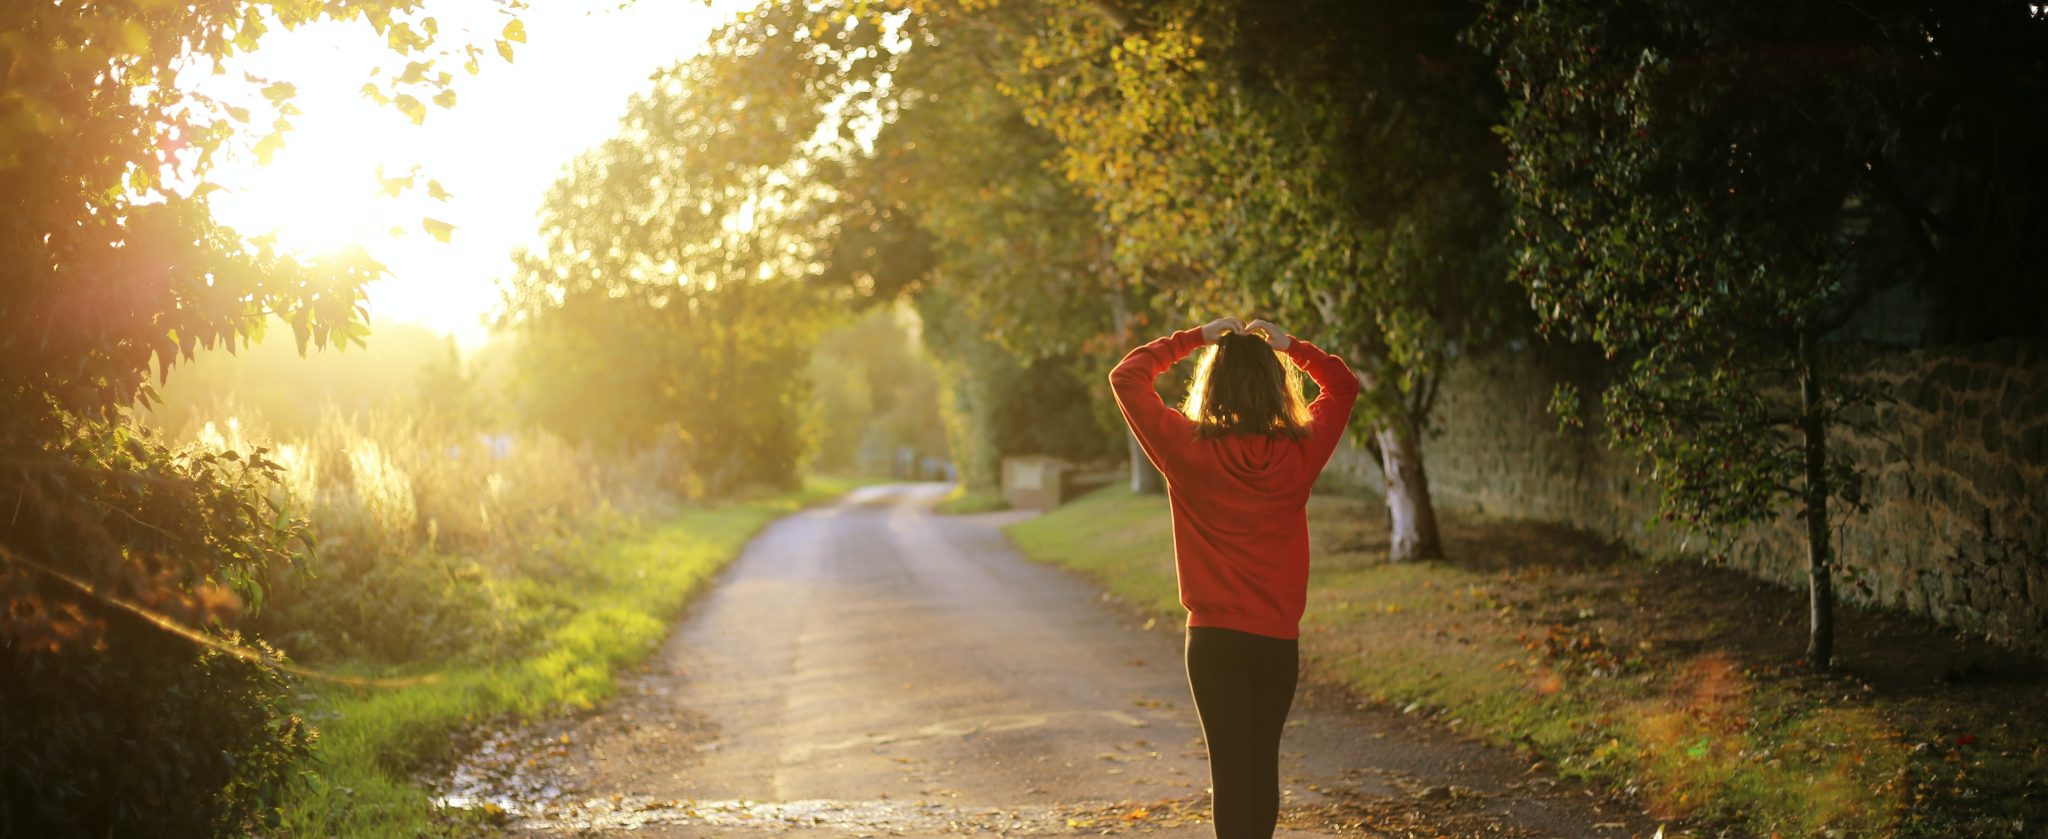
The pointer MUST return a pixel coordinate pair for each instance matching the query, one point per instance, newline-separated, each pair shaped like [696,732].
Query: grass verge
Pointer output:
[1670,681]
[613,612]
[962,501]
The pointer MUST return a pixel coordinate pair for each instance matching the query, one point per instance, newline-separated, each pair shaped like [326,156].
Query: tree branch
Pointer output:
[1118,17]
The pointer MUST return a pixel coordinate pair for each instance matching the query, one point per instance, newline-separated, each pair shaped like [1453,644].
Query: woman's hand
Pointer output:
[1214,329]
[1274,334]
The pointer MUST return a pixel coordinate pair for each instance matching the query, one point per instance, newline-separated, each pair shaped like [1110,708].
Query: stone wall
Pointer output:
[1957,480]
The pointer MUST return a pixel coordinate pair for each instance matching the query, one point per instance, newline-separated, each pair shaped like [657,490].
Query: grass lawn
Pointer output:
[1672,681]
[617,607]
[962,501]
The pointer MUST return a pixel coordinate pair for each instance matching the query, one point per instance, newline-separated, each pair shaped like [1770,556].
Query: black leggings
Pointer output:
[1243,686]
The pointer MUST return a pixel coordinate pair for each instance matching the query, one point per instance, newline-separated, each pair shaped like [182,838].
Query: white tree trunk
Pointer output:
[1145,478]
[1414,532]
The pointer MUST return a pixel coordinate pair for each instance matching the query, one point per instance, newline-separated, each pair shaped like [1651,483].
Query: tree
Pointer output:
[950,200]
[876,394]
[1706,192]
[670,294]
[123,562]
[999,402]
[1325,162]
[1017,252]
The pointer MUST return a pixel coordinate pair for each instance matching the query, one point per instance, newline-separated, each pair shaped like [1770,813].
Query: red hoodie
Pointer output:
[1240,503]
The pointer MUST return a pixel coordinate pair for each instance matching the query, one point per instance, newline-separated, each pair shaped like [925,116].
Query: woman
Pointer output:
[1239,459]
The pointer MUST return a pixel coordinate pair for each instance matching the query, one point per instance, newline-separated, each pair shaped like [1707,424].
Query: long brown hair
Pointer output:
[1242,387]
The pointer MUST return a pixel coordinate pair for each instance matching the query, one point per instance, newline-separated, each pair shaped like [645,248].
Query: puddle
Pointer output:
[503,774]
[630,812]
[508,776]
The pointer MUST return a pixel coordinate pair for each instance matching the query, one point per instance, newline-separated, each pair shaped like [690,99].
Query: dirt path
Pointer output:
[870,668]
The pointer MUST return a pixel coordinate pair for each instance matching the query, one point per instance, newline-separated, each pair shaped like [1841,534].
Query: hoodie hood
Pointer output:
[1263,463]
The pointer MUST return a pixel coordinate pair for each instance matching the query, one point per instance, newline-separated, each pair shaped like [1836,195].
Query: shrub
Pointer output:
[111,724]
[153,736]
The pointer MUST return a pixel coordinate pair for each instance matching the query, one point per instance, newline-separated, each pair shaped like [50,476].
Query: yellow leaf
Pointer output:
[411,107]
[515,31]
[437,228]
[134,38]
[267,147]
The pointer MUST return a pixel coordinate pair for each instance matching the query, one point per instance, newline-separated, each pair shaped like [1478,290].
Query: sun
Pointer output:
[320,195]
[320,191]
[495,153]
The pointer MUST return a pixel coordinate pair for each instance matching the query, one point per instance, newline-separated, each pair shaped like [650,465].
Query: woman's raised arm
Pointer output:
[1160,429]
[1332,409]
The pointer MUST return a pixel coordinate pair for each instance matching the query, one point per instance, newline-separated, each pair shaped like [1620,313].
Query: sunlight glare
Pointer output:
[317,197]
[496,152]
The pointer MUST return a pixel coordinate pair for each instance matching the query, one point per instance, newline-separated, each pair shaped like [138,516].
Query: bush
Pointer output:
[154,736]
[110,724]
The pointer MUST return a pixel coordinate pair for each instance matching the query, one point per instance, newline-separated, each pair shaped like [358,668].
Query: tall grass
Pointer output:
[426,529]
[515,572]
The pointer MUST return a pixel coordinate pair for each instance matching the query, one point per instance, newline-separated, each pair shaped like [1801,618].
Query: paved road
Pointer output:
[871,668]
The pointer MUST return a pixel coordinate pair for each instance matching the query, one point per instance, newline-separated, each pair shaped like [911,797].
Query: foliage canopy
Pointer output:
[117,271]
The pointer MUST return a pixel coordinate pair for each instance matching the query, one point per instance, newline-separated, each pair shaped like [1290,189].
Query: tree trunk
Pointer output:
[1820,638]
[1145,478]
[1413,515]
[729,466]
